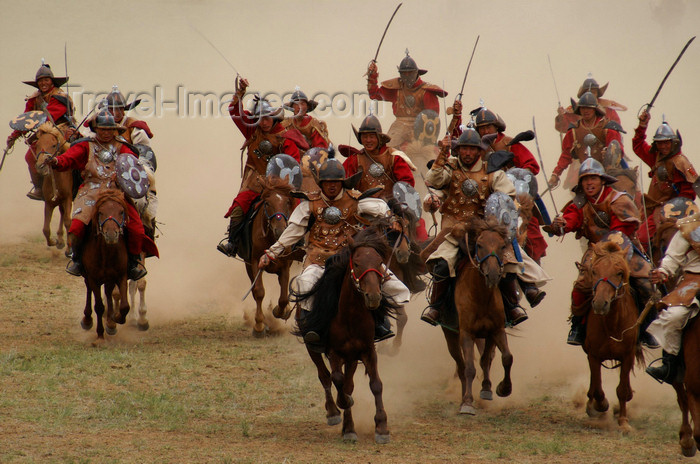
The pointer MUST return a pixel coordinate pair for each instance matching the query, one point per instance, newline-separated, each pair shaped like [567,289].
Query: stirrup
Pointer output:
[74,268]
[137,272]
[35,194]
[428,317]
[228,248]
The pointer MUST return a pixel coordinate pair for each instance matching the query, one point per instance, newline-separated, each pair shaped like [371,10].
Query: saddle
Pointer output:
[244,232]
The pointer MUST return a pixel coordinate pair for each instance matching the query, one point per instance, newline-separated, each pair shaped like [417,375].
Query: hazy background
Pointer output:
[325,47]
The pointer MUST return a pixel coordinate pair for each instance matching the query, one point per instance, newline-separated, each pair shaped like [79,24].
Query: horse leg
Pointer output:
[140,284]
[694,407]
[259,329]
[624,392]
[401,320]
[124,305]
[66,220]
[467,345]
[109,319]
[348,387]
[282,310]
[597,403]
[452,340]
[485,363]
[688,446]
[381,428]
[48,213]
[505,387]
[343,401]
[324,376]
[60,236]
[86,322]
[99,312]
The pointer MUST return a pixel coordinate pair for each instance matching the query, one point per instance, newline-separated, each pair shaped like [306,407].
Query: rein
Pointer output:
[275,215]
[619,288]
[480,260]
[100,225]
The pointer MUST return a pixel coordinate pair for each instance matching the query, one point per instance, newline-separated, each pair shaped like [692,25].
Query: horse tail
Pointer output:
[639,356]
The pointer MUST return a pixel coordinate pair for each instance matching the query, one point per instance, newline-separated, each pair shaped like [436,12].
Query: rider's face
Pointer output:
[468,155]
[300,108]
[592,185]
[45,84]
[487,129]
[331,188]
[118,113]
[104,134]
[664,147]
[370,141]
[266,123]
[408,78]
[587,113]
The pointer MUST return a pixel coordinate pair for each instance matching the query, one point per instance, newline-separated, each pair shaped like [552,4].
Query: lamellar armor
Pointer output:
[334,221]
[467,192]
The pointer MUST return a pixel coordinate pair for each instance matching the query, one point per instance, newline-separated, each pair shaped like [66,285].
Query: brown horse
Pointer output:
[105,261]
[270,221]
[611,332]
[688,390]
[57,186]
[344,300]
[480,308]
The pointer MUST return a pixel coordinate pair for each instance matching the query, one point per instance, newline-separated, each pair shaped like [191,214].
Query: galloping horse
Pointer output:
[57,186]
[344,300]
[611,332]
[105,261]
[480,308]
[688,390]
[270,221]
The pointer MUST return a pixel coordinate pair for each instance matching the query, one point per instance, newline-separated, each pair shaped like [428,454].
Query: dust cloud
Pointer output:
[151,48]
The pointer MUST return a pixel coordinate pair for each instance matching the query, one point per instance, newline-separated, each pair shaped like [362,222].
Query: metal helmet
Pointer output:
[298,96]
[105,120]
[592,167]
[484,117]
[409,64]
[587,100]
[115,99]
[665,132]
[261,108]
[331,169]
[469,138]
[590,84]
[371,125]
[45,71]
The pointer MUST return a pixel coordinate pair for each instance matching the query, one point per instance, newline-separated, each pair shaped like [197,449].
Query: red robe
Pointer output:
[430,99]
[573,216]
[567,145]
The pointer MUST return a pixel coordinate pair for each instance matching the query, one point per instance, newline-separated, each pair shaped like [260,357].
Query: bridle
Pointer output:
[619,288]
[356,280]
[121,224]
[276,215]
[480,259]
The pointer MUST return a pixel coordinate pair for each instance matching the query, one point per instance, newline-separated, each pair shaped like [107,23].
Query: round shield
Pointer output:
[500,206]
[313,159]
[332,215]
[612,155]
[284,166]
[615,236]
[523,180]
[408,198]
[147,156]
[131,176]
[376,169]
[28,121]
[678,208]
[426,127]
[470,187]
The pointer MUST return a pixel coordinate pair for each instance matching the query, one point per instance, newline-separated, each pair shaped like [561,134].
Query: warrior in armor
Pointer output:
[682,256]
[330,217]
[96,159]
[136,131]
[566,117]
[596,210]
[50,99]
[314,131]
[264,138]
[593,121]
[408,94]
[672,174]
[468,185]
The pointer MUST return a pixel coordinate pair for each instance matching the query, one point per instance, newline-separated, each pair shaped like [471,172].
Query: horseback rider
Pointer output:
[136,131]
[264,138]
[566,117]
[672,174]
[682,255]
[96,158]
[331,216]
[468,186]
[596,210]
[314,131]
[593,121]
[50,99]
[408,94]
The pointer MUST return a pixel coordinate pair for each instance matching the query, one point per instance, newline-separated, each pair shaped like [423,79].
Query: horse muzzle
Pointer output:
[111,236]
[372,300]
[600,306]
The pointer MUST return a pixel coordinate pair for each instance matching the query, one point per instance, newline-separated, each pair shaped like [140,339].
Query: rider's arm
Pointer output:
[501,183]
[565,157]
[295,230]
[573,216]
[439,176]
[675,256]
[375,207]
[76,157]
[641,147]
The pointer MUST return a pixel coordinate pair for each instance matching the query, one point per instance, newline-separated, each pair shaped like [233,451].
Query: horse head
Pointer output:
[49,143]
[609,274]
[401,240]
[110,215]
[485,242]
[368,252]
[277,204]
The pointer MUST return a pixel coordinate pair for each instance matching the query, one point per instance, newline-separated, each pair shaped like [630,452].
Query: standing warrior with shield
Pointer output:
[314,131]
[264,138]
[409,95]
[97,159]
[50,99]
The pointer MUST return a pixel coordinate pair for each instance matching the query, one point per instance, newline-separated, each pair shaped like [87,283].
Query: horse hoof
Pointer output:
[350,437]
[98,342]
[68,252]
[86,324]
[51,243]
[282,313]
[486,395]
[142,326]
[467,409]
[110,330]
[504,389]
[689,452]
[60,245]
[625,427]
[260,334]
[381,439]
[334,420]
[595,411]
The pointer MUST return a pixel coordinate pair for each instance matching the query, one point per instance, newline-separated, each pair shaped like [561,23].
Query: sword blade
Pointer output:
[651,103]
[461,92]
[544,172]
[252,285]
[386,29]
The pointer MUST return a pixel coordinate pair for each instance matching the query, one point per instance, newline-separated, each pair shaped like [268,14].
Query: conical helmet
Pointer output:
[45,71]
[371,125]
[409,64]
[588,100]
[590,84]
[469,138]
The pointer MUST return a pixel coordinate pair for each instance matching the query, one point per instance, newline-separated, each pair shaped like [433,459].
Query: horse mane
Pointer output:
[49,128]
[274,184]
[474,226]
[616,254]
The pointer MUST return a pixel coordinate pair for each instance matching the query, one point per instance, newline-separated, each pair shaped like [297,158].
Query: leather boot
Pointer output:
[533,295]
[441,282]
[643,293]
[509,291]
[74,266]
[311,339]
[228,245]
[135,269]
[668,370]
[577,334]
[36,192]
[382,329]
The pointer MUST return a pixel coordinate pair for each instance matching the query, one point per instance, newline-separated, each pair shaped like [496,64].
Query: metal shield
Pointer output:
[408,198]
[612,157]
[312,160]
[284,166]
[523,180]
[28,121]
[131,175]
[147,156]
[501,206]
[678,208]
[426,127]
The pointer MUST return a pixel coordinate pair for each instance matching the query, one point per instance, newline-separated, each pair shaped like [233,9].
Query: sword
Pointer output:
[214,47]
[4,154]
[651,103]
[252,285]
[539,154]
[386,29]
[556,90]
[461,92]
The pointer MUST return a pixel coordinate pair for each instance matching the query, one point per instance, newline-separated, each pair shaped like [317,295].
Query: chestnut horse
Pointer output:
[688,390]
[270,221]
[105,261]
[611,332]
[479,307]
[344,300]
[57,186]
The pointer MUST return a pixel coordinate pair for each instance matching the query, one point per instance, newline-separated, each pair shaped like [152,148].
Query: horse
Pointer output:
[347,300]
[688,389]
[275,207]
[479,305]
[105,262]
[57,187]
[611,332]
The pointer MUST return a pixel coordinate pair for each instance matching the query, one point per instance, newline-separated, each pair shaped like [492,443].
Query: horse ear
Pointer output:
[579,266]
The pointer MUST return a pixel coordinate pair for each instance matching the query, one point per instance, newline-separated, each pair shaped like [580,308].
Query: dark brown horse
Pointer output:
[270,221]
[57,186]
[688,391]
[611,332]
[344,300]
[480,308]
[105,262]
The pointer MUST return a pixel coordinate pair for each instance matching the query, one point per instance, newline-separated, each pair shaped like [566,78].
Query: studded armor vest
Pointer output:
[377,171]
[334,222]
[99,173]
[578,149]
[597,217]
[467,193]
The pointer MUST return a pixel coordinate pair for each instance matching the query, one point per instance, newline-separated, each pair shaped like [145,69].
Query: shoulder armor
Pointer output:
[524,136]
[572,125]
[392,84]
[614,125]
[366,194]
[580,200]
[432,88]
